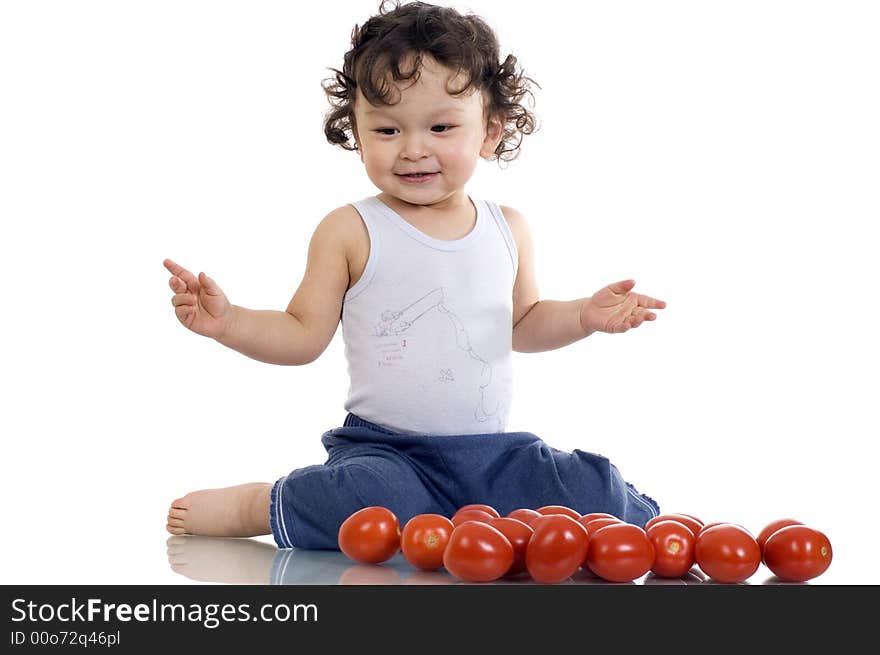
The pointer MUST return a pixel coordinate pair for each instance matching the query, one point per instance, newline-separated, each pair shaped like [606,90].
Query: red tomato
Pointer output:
[706,526]
[797,553]
[423,540]
[370,535]
[559,509]
[477,552]
[524,515]
[673,548]
[518,534]
[463,515]
[620,552]
[772,527]
[699,520]
[485,508]
[727,552]
[594,524]
[713,524]
[541,518]
[556,549]
[586,518]
[694,524]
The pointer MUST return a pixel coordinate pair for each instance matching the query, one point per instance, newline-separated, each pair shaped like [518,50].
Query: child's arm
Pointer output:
[292,337]
[540,325]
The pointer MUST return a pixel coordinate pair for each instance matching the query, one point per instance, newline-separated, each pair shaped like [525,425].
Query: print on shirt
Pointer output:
[394,323]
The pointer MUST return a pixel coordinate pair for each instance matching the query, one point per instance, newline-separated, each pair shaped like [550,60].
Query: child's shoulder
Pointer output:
[517,223]
[343,231]
[343,224]
[513,216]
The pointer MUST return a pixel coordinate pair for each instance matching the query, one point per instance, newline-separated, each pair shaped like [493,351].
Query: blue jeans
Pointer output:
[420,474]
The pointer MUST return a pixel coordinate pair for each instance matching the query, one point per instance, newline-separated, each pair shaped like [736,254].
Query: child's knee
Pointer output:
[607,490]
[311,503]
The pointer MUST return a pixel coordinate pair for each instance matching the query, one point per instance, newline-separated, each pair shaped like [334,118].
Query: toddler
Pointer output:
[434,289]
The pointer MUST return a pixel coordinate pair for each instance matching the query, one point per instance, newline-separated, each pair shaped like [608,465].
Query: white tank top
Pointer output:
[428,327]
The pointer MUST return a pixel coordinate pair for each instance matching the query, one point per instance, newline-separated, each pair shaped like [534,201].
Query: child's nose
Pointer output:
[414,148]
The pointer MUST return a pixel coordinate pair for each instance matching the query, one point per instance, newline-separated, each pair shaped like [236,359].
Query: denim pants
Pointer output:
[432,474]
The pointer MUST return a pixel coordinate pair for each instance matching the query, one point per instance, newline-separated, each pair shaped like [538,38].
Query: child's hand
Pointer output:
[616,309]
[198,302]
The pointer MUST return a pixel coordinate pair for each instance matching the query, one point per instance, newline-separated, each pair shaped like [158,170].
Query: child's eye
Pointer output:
[439,129]
[386,131]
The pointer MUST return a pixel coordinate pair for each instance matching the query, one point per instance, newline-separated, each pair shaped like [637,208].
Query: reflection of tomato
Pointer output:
[518,534]
[423,578]
[423,540]
[477,552]
[524,515]
[673,548]
[559,509]
[557,548]
[797,553]
[370,535]
[772,527]
[727,552]
[691,522]
[620,552]
[485,508]
[463,515]
[369,574]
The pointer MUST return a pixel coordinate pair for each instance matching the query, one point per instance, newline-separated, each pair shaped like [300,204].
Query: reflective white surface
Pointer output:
[253,561]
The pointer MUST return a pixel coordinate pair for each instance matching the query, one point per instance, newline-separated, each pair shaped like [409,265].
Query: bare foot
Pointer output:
[241,511]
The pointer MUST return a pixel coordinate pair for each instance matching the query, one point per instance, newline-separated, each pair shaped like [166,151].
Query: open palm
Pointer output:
[616,308]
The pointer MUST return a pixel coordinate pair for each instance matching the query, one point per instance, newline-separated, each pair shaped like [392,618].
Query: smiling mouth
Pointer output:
[417,178]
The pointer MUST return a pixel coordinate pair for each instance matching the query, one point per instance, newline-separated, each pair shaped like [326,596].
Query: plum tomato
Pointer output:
[370,535]
[477,552]
[673,548]
[687,520]
[485,508]
[556,549]
[594,524]
[691,516]
[586,518]
[797,553]
[518,534]
[772,527]
[559,509]
[423,540]
[727,553]
[714,523]
[523,514]
[620,552]
[463,515]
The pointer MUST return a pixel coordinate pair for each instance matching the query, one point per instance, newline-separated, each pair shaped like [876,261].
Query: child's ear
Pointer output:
[357,141]
[494,134]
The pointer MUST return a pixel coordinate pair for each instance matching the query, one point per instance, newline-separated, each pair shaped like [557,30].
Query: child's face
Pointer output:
[428,131]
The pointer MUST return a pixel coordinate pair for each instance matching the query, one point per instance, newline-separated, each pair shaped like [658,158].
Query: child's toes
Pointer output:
[181,503]
[175,528]
[176,521]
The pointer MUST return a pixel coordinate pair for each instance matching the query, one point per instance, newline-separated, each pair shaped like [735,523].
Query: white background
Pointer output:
[725,155]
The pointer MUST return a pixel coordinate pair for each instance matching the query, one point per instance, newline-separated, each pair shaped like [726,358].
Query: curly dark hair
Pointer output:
[463,43]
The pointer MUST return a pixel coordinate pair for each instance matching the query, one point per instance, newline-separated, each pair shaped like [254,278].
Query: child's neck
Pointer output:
[450,219]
